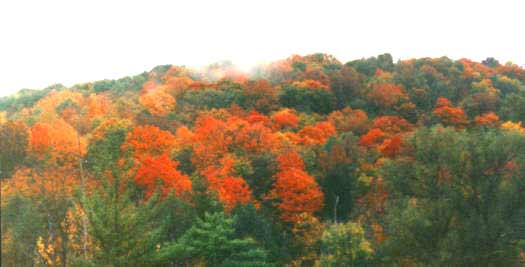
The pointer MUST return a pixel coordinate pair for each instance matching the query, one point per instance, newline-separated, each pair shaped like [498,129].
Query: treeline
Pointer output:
[303,162]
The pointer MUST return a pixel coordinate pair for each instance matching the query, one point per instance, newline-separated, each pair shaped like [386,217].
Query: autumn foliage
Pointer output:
[149,140]
[489,119]
[317,133]
[55,141]
[157,101]
[349,119]
[161,173]
[391,146]
[373,137]
[217,167]
[231,190]
[385,95]
[285,118]
[297,191]
[448,114]
[211,139]
[392,124]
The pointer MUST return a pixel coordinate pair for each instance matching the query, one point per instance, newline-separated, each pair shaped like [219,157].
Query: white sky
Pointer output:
[68,42]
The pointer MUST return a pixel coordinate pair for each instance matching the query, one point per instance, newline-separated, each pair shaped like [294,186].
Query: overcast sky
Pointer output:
[68,42]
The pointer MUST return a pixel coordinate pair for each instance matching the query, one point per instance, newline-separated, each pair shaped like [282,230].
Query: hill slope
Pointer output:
[420,161]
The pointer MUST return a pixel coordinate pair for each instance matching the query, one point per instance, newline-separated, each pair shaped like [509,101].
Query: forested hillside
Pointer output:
[306,161]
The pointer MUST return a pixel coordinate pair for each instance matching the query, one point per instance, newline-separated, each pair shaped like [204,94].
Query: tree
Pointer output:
[513,127]
[162,169]
[488,119]
[449,115]
[316,134]
[308,83]
[307,99]
[254,138]
[338,164]
[149,140]
[22,224]
[14,139]
[513,107]
[452,196]
[384,96]
[212,140]
[302,147]
[260,95]
[392,124]
[307,232]
[125,232]
[231,190]
[391,146]
[373,138]
[481,102]
[490,62]
[50,192]
[50,104]
[124,228]
[369,66]
[285,118]
[349,120]
[157,101]
[346,84]
[211,241]
[54,149]
[296,191]
[56,142]
[250,221]
[209,97]
[104,149]
[344,244]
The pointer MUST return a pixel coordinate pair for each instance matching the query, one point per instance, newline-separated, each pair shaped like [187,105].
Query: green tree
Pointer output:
[307,100]
[22,223]
[13,145]
[344,244]
[490,62]
[369,66]
[212,98]
[124,231]
[103,153]
[346,84]
[338,162]
[211,241]
[453,196]
[513,107]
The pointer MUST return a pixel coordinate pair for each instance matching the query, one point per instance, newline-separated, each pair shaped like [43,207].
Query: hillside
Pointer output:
[306,161]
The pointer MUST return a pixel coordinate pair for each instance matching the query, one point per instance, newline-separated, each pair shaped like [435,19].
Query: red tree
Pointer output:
[231,190]
[373,137]
[489,119]
[162,169]
[211,141]
[448,114]
[391,147]
[392,124]
[297,191]
[149,140]
[285,118]
[316,134]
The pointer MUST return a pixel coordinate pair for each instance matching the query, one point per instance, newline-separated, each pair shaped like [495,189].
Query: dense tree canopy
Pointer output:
[304,162]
